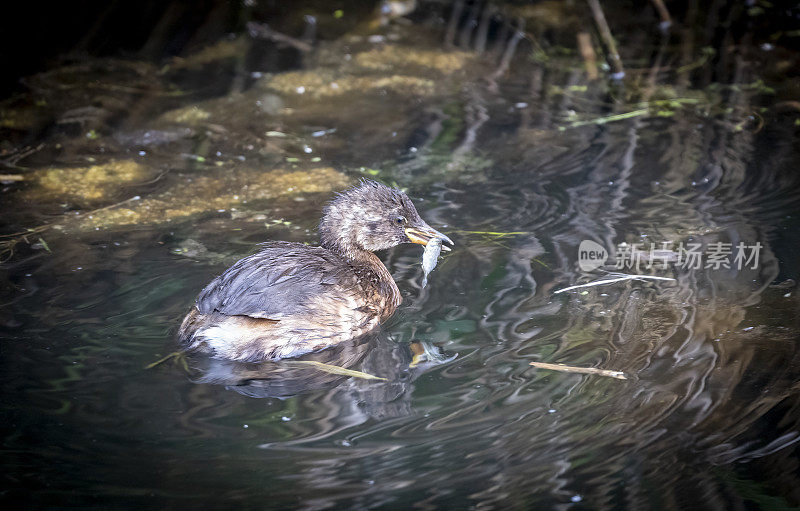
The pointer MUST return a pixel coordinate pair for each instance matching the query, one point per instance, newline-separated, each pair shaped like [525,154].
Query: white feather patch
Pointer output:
[220,337]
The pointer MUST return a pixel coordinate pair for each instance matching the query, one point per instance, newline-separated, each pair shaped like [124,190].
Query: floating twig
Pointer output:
[262,31]
[582,370]
[645,108]
[44,244]
[9,241]
[607,119]
[494,237]
[703,60]
[494,233]
[110,206]
[667,102]
[11,160]
[333,369]
[610,281]
[174,354]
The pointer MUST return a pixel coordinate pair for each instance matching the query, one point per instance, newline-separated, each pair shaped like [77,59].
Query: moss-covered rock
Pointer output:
[221,191]
[394,57]
[325,83]
[190,115]
[92,183]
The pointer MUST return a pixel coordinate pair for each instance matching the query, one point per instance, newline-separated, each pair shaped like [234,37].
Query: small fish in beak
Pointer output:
[424,233]
[430,257]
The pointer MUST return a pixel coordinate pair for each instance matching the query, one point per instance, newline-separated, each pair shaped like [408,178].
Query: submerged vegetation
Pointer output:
[86,184]
[518,46]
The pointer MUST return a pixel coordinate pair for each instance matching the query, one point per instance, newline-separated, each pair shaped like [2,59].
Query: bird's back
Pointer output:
[286,300]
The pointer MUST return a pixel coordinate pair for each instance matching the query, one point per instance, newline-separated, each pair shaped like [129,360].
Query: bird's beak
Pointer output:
[423,233]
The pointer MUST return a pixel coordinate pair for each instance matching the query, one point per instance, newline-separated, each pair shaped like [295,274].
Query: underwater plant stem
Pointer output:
[483,28]
[588,54]
[663,13]
[452,24]
[508,54]
[466,30]
[608,39]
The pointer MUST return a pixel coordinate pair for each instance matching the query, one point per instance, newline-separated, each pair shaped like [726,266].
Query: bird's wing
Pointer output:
[280,280]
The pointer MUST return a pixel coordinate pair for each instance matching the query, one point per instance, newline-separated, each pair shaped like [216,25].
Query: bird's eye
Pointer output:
[400,220]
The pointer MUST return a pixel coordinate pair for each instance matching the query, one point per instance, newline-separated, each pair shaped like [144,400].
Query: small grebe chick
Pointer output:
[290,298]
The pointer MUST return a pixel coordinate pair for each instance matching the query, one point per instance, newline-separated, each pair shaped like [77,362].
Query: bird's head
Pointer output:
[370,217]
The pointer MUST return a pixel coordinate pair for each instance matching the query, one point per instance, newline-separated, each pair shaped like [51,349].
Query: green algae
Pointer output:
[91,183]
[321,84]
[390,58]
[223,190]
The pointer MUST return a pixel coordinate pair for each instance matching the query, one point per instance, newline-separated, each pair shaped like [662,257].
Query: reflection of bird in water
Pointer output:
[291,298]
[373,353]
[281,379]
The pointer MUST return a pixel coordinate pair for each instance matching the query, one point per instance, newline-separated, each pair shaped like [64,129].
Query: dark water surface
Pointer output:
[708,417]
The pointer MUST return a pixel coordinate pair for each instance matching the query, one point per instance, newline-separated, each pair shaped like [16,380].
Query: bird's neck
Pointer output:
[345,250]
[335,234]
[366,263]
